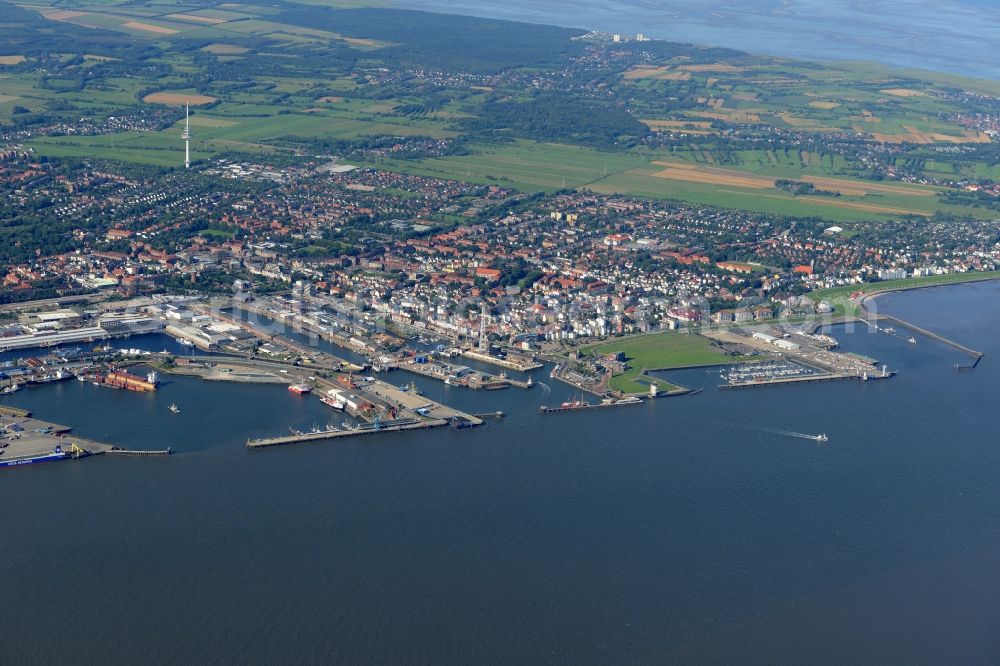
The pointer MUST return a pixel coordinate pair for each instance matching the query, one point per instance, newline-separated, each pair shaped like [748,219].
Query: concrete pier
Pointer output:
[605,404]
[448,373]
[804,379]
[501,362]
[933,336]
[323,358]
[118,451]
[28,440]
[397,425]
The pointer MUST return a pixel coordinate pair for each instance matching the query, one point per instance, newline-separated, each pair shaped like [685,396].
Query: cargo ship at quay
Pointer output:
[124,380]
[56,455]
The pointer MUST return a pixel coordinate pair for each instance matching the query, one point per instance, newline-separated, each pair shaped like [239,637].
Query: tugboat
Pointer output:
[174,408]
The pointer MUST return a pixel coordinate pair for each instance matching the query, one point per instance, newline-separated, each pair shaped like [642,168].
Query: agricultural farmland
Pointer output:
[285,77]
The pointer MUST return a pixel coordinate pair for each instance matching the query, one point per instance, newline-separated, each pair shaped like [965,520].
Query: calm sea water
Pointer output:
[958,36]
[681,531]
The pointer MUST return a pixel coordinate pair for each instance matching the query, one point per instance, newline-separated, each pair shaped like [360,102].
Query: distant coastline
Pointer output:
[950,37]
[871,297]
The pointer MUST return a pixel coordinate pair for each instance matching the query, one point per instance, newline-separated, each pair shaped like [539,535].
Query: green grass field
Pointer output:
[659,351]
[839,297]
[548,167]
[526,165]
[839,97]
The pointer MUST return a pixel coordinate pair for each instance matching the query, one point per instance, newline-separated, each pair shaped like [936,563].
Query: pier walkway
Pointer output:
[397,425]
[118,451]
[586,406]
[803,379]
[933,336]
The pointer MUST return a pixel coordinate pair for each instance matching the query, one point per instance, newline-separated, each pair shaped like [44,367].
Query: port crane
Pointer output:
[75,449]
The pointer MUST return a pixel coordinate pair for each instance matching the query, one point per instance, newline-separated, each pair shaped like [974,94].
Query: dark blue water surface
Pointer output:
[687,530]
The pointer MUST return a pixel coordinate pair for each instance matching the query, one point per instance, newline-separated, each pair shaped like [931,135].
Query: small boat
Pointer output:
[821,437]
[174,408]
[81,378]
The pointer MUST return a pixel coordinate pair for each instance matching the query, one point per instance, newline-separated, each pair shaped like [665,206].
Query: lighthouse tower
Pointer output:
[186,135]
